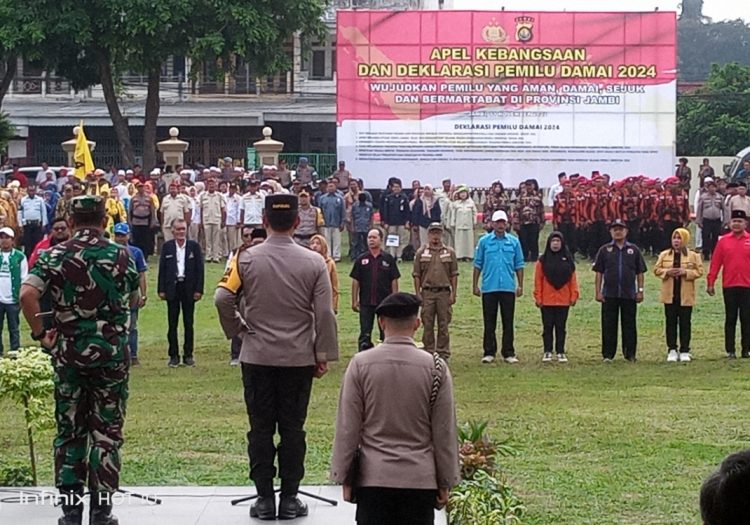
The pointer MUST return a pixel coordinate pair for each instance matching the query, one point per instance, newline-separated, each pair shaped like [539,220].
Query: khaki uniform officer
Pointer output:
[435,280]
[283,293]
[173,206]
[213,220]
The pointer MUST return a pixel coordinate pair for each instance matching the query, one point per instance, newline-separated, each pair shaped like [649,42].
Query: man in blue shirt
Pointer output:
[122,236]
[331,203]
[499,260]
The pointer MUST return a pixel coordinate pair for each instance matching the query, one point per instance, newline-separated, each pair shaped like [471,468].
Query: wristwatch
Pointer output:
[39,336]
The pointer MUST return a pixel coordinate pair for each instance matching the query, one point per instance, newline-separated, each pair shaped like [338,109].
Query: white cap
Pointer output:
[156,171]
[215,169]
[121,172]
[707,180]
[8,231]
[128,172]
[238,169]
[499,215]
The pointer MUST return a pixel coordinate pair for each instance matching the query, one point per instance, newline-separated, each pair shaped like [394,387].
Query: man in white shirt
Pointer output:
[32,216]
[41,175]
[555,189]
[13,271]
[251,210]
[233,203]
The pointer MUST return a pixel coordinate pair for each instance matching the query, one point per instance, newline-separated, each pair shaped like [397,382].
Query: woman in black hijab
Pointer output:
[555,291]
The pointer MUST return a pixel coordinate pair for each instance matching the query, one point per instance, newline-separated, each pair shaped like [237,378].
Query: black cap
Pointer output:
[741,184]
[399,306]
[739,214]
[259,233]
[281,203]
[732,185]
[618,222]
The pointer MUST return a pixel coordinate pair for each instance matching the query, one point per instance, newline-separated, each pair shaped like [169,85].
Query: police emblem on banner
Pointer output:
[524,28]
[494,33]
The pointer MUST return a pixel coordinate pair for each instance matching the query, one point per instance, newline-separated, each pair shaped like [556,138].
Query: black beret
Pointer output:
[399,306]
[739,214]
[283,202]
[259,233]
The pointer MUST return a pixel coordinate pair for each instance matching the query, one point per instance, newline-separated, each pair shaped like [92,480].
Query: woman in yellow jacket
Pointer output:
[115,211]
[678,268]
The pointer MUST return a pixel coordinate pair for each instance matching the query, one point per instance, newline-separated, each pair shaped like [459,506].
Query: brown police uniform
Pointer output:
[434,269]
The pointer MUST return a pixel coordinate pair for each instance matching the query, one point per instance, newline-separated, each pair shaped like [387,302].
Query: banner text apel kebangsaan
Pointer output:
[478,96]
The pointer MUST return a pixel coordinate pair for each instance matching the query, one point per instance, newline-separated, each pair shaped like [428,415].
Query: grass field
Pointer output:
[602,444]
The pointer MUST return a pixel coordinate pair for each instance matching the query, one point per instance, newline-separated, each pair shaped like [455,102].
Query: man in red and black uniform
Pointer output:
[565,214]
[652,194]
[374,277]
[626,204]
[599,213]
[674,210]
[732,257]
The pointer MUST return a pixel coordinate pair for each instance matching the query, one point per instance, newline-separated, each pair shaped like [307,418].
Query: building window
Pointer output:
[318,69]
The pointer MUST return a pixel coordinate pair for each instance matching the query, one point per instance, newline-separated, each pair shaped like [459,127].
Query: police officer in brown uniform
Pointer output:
[435,281]
[277,298]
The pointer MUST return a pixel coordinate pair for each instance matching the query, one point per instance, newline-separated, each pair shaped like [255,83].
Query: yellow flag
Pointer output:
[82,155]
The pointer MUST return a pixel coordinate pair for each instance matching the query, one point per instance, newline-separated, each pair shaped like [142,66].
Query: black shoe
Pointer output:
[174,362]
[72,507]
[291,507]
[101,509]
[731,355]
[745,355]
[188,361]
[264,508]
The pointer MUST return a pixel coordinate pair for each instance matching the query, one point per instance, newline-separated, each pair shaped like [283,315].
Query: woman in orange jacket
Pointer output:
[555,291]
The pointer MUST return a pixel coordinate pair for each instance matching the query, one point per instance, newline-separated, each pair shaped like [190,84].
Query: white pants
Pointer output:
[333,238]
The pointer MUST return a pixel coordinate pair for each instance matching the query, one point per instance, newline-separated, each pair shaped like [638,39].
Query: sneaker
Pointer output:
[547,357]
[234,362]
[607,360]
[673,356]
[731,355]
[188,361]
[562,358]
[488,359]
[745,355]
[174,362]
[134,362]
[511,360]
[685,357]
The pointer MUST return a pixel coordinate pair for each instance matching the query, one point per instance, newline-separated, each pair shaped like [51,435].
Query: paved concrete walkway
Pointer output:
[180,506]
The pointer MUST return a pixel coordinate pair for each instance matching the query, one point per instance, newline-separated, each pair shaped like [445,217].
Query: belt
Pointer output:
[437,288]
[33,223]
[180,279]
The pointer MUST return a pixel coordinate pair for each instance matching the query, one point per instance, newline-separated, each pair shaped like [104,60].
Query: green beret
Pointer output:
[87,204]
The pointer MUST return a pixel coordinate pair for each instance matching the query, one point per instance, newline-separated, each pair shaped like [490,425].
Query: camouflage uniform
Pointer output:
[91,280]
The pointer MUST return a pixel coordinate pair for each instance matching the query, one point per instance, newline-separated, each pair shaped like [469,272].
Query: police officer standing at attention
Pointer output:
[94,284]
[436,281]
[289,334]
[405,471]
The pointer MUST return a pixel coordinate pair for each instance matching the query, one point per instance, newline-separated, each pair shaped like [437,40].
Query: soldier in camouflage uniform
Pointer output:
[93,283]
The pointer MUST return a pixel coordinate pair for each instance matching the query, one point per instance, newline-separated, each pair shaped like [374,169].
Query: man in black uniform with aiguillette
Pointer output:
[288,331]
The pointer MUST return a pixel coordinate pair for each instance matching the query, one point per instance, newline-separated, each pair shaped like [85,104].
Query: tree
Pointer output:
[98,40]
[21,33]
[715,119]
[7,131]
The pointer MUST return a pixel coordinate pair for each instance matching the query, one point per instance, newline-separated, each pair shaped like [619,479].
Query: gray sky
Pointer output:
[716,9]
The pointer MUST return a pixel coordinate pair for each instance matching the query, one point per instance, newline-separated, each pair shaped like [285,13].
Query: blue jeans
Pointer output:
[133,333]
[11,311]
